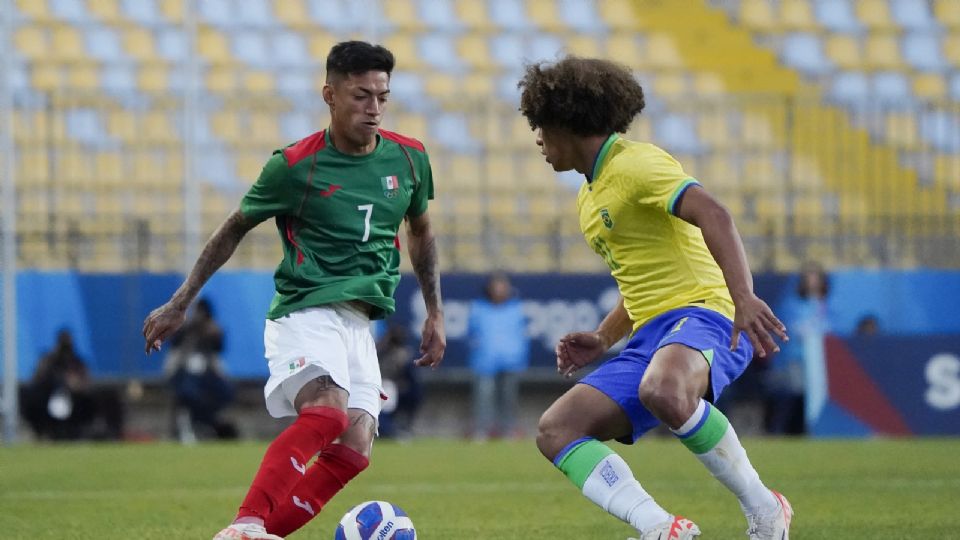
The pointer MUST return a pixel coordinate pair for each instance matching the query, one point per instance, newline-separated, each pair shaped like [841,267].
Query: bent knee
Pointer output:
[671,403]
[551,435]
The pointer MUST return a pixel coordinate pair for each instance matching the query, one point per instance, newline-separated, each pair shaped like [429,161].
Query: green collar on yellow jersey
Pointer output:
[601,155]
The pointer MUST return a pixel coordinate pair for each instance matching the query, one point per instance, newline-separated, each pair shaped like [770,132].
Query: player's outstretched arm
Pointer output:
[423,255]
[577,349]
[753,315]
[166,319]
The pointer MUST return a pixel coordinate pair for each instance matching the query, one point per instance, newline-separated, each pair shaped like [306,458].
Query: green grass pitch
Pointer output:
[501,490]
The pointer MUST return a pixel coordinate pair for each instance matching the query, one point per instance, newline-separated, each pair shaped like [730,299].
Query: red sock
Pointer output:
[285,461]
[336,466]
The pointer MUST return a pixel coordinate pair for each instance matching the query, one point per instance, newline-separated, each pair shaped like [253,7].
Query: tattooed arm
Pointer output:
[166,319]
[423,255]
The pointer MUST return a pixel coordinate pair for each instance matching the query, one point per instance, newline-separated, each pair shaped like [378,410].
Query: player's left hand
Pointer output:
[432,342]
[754,317]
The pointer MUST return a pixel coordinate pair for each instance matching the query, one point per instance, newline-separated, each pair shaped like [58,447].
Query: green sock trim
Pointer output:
[582,459]
[709,433]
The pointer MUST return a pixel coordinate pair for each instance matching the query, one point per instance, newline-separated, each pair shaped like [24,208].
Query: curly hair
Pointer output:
[588,96]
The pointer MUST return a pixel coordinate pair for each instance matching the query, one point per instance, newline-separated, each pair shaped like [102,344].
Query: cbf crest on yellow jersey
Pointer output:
[659,261]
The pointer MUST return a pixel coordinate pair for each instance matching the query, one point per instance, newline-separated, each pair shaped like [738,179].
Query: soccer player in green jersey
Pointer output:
[687,303]
[338,198]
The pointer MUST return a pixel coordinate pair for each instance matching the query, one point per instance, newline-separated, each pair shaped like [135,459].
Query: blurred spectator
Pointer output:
[400,383]
[797,382]
[868,325]
[499,352]
[196,373]
[61,403]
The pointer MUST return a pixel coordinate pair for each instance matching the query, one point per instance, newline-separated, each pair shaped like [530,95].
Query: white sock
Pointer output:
[709,435]
[612,486]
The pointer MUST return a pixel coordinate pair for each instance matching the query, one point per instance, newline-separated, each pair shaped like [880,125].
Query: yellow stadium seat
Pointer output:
[83,76]
[758,15]
[227,126]
[259,82]
[46,77]
[672,84]
[122,124]
[797,15]
[404,48]
[109,168]
[948,13]
[32,42]
[172,10]
[619,14]
[929,86]
[35,9]
[403,14]
[473,14]
[947,172]
[157,127]
[662,51]
[627,49]
[464,176]
[107,11]
[500,172]
[265,127]
[473,48]
[844,50]
[67,45]
[713,130]
[641,130]
[410,124]
[708,84]
[951,49]
[883,51]
[544,14]
[475,84]
[213,45]
[292,13]
[588,45]
[138,43]
[221,80]
[153,78]
[31,126]
[875,14]
[805,173]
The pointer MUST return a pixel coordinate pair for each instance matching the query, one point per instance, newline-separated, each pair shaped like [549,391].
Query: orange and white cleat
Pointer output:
[679,528]
[245,531]
[773,526]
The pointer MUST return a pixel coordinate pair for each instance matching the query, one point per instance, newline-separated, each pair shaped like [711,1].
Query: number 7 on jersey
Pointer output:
[368,208]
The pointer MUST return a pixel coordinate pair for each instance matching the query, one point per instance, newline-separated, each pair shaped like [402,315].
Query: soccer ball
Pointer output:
[375,520]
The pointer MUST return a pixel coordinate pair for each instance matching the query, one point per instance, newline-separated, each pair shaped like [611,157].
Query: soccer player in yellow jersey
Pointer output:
[687,302]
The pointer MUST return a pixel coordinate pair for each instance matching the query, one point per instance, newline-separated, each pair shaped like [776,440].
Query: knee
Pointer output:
[550,435]
[667,400]
[359,433]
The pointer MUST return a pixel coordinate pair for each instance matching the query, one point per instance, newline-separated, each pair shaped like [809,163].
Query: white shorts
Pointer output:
[332,340]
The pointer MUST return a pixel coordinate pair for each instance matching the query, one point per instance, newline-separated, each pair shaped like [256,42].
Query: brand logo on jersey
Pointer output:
[391,186]
[607,220]
[330,190]
[679,325]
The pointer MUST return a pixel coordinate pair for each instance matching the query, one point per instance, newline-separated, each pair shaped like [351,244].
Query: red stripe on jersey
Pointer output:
[396,241]
[402,139]
[305,147]
[290,236]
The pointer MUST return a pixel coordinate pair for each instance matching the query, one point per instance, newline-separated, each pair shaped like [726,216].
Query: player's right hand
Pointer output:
[161,324]
[578,349]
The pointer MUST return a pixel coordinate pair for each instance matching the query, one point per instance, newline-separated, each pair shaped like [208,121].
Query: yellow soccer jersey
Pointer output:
[660,262]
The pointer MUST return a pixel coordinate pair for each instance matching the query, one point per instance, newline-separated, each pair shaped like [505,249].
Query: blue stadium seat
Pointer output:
[954,90]
[507,50]
[581,15]
[923,51]
[171,44]
[849,87]
[217,12]
[103,43]
[407,88]
[250,47]
[940,129]
[837,15]
[509,15]
[506,87]
[439,51]
[143,12]
[913,14]
[439,15]
[544,47]
[294,83]
[804,51]
[74,11]
[452,130]
[677,134]
[288,49]
[118,78]
[255,13]
[295,126]
[891,87]
[85,126]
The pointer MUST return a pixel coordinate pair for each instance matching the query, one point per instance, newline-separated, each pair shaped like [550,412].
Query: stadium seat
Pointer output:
[474,49]
[32,42]
[662,51]
[940,128]
[849,87]
[951,48]
[875,15]
[580,16]
[142,12]
[891,88]
[804,51]
[922,52]
[844,51]
[882,51]
[797,15]
[947,13]
[930,86]
[913,15]
[36,10]
[901,129]
[67,45]
[837,16]
[254,13]
[509,15]
[758,15]
[619,14]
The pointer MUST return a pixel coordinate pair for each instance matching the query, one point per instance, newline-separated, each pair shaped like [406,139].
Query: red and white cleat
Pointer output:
[245,531]
[773,526]
[680,528]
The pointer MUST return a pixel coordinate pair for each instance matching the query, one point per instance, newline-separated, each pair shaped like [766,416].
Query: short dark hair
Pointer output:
[356,57]
[587,96]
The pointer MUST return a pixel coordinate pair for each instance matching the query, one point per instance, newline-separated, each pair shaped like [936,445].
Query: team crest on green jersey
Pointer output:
[607,220]
[391,186]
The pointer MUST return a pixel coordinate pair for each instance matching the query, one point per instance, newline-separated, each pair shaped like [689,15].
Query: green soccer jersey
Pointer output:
[338,217]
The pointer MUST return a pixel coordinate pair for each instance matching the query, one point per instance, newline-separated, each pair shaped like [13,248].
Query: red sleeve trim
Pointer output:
[402,139]
[305,147]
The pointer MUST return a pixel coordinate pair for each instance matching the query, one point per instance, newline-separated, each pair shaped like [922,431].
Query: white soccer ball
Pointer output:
[375,520]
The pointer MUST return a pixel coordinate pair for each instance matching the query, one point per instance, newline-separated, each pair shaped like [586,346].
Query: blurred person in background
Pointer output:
[401,383]
[797,376]
[338,197]
[868,326]
[196,374]
[62,403]
[687,303]
[499,354]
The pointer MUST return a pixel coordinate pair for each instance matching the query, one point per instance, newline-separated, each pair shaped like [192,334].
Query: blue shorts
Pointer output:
[698,328]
